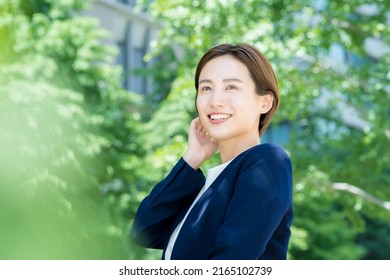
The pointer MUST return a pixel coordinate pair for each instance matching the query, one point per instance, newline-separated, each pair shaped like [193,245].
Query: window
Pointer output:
[131,3]
[139,63]
[279,134]
[121,60]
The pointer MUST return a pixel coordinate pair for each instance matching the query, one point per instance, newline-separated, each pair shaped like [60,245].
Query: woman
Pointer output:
[243,209]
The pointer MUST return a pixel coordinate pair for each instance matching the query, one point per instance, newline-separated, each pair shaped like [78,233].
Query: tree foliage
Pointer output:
[68,139]
[316,94]
[78,153]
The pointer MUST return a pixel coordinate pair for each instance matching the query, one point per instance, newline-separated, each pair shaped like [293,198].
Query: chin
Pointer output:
[219,137]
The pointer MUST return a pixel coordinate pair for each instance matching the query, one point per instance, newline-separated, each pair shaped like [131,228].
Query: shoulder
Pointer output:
[265,162]
[265,153]
[265,167]
[267,149]
[265,172]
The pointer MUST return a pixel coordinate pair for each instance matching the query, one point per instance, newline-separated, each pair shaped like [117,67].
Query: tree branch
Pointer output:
[359,192]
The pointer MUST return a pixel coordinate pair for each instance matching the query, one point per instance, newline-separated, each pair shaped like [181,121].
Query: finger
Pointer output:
[194,124]
[199,125]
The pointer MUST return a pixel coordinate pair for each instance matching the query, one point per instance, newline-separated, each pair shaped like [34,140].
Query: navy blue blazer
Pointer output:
[246,213]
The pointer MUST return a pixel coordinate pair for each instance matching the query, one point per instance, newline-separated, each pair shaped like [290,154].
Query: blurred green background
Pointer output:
[78,151]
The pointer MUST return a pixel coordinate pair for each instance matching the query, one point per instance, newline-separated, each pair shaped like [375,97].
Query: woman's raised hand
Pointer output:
[200,145]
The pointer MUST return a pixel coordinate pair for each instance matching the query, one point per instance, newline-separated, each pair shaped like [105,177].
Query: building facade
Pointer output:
[132,32]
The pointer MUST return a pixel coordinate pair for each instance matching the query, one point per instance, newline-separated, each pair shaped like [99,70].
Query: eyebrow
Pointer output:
[224,80]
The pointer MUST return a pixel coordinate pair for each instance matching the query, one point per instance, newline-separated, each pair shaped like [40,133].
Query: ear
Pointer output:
[267,102]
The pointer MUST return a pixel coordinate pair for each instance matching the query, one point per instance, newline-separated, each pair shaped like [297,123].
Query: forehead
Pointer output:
[224,67]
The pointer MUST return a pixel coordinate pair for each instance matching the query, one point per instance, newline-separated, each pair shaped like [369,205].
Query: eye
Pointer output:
[231,87]
[205,88]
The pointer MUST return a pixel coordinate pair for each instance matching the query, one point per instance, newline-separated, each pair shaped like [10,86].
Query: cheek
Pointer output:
[200,104]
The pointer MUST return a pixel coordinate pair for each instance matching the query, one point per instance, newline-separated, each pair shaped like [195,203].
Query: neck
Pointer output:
[229,149]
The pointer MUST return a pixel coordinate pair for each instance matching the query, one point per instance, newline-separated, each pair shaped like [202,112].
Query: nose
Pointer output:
[217,99]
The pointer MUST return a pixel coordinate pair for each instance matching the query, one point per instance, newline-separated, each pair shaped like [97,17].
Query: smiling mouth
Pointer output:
[216,117]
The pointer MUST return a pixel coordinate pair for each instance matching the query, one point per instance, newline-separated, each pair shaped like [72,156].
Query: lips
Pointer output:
[219,116]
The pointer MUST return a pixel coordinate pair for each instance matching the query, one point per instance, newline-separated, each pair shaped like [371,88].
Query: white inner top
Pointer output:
[212,174]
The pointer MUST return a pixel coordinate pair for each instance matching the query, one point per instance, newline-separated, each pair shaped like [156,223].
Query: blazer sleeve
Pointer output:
[158,211]
[262,196]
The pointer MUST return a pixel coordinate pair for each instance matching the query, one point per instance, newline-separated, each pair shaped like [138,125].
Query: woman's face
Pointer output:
[227,103]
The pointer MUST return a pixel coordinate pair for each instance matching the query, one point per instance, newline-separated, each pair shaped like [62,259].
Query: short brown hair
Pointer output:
[259,68]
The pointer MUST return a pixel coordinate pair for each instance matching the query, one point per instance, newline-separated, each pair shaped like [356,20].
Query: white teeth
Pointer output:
[219,116]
